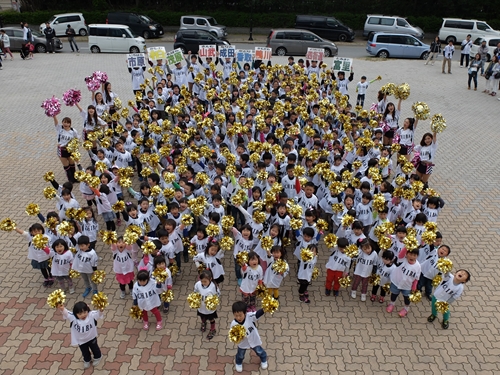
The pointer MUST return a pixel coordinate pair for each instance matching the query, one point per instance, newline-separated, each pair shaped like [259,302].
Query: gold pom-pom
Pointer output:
[306,255]
[212,302]
[444,265]
[345,282]
[100,301]
[194,300]
[429,237]
[296,224]
[315,273]
[148,247]
[226,243]
[168,193]
[213,230]
[100,166]
[155,191]
[80,175]
[383,162]
[135,313]
[109,237]
[49,192]
[374,279]
[74,274]
[65,228]
[259,217]
[378,202]
[56,298]
[98,276]
[261,291]
[322,225]
[347,220]
[415,296]
[237,333]
[410,243]
[49,176]
[438,123]
[431,193]
[387,287]
[337,207]
[174,270]
[7,225]
[270,305]
[51,223]
[161,209]
[437,280]
[330,240]
[421,110]
[431,226]
[242,258]
[32,209]
[402,92]
[187,220]
[130,238]
[118,206]
[192,251]
[351,251]
[167,296]
[385,242]
[395,147]
[357,164]
[73,250]
[40,241]
[227,222]
[280,266]
[267,243]
[400,180]
[442,307]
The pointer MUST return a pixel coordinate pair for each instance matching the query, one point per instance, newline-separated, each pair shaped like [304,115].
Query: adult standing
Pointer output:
[70,32]
[50,34]
[448,54]
[475,65]
[483,51]
[4,38]
[492,75]
[27,38]
[466,45]
[435,50]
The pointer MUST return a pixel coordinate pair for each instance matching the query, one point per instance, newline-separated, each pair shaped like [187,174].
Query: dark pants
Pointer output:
[473,76]
[303,286]
[240,355]
[71,41]
[360,99]
[462,56]
[425,283]
[375,290]
[50,45]
[90,346]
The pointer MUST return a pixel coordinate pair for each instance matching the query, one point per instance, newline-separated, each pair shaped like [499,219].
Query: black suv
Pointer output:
[139,24]
[190,40]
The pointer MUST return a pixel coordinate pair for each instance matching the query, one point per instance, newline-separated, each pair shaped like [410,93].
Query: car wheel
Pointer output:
[146,35]
[424,56]
[95,49]
[83,32]
[134,49]
[40,48]
[451,39]
[281,51]
[328,53]
[383,54]
[342,38]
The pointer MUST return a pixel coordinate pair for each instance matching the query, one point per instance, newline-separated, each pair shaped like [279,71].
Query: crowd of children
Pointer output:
[265,162]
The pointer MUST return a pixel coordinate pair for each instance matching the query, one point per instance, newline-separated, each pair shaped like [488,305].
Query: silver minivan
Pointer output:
[204,23]
[376,23]
[296,41]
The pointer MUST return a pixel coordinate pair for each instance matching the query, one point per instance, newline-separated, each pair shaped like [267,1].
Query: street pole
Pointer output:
[251,20]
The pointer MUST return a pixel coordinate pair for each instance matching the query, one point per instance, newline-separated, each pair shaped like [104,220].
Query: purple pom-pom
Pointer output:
[93,84]
[71,97]
[100,76]
[52,106]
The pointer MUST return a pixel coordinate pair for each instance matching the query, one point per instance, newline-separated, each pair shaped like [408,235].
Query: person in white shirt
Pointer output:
[84,331]
[61,264]
[385,266]
[367,258]
[427,149]
[466,45]
[337,266]
[450,289]
[206,287]
[146,294]
[86,263]
[448,54]
[123,265]
[252,338]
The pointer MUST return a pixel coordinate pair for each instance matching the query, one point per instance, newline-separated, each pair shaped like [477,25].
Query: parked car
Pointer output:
[60,22]
[393,24]
[205,23]
[296,41]
[396,45]
[491,42]
[457,29]
[114,38]
[191,39]
[326,27]
[140,24]
[16,40]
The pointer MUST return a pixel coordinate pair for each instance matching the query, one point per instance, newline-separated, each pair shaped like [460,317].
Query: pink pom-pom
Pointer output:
[71,97]
[52,106]
[100,76]
[93,84]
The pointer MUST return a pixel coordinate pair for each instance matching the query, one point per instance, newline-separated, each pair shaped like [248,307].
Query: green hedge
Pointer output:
[430,24]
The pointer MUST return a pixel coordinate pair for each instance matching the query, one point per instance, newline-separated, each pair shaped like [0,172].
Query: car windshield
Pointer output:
[212,21]
[146,19]
[52,18]
[478,41]
[36,33]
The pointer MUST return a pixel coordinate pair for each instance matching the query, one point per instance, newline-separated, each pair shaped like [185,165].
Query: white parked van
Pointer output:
[457,29]
[60,22]
[114,38]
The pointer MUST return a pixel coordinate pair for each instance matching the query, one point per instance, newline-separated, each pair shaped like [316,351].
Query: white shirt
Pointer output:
[61,263]
[85,260]
[251,278]
[448,291]
[65,136]
[252,338]
[273,279]
[122,261]
[122,158]
[210,290]
[6,40]
[213,263]
[306,269]
[448,51]
[384,271]
[338,261]
[365,263]
[362,86]
[82,331]
[147,296]
[404,275]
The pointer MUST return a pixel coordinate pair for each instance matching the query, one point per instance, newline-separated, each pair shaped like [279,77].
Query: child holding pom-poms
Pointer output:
[123,265]
[277,269]
[164,277]
[210,294]
[252,277]
[308,259]
[146,294]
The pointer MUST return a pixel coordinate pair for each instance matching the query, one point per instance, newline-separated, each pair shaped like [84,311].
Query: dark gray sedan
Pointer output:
[16,40]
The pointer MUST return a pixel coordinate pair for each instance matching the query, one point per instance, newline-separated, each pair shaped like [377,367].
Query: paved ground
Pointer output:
[328,336]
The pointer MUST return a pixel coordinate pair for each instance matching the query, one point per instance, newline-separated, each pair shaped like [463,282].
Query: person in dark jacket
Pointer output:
[50,35]
[434,51]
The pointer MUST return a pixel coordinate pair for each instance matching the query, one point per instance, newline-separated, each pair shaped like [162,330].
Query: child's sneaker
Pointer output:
[97,361]
[211,334]
[431,318]
[203,327]
[306,293]
[122,294]
[238,368]
[327,292]
[445,324]
[353,294]
[403,313]
[86,365]
[363,297]
[336,293]
[86,292]
[46,283]
[118,222]
[389,308]
[159,325]
[381,300]
[95,291]
[373,298]
[146,326]
[264,365]
[51,282]
[304,299]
